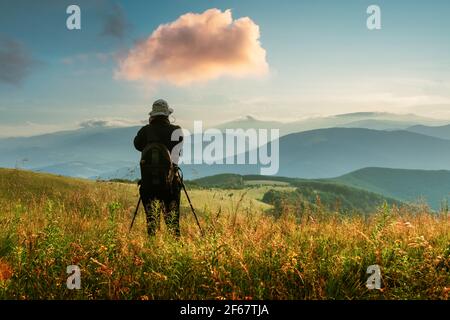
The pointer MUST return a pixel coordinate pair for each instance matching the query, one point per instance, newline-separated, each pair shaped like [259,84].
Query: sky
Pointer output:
[217,61]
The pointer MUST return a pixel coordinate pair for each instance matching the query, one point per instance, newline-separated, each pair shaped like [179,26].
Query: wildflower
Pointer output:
[6,271]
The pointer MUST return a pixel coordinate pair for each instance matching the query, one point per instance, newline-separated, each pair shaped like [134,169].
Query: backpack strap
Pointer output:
[152,137]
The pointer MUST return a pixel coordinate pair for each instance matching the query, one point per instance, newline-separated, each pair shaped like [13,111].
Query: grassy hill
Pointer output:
[408,185]
[228,180]
[225,180]
[332,195]
[48,223]
[430,187]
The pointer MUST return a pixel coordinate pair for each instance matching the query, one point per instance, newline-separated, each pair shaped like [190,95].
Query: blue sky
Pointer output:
[322,60]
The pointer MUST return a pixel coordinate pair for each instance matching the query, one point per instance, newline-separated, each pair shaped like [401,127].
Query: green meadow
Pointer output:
[252,249]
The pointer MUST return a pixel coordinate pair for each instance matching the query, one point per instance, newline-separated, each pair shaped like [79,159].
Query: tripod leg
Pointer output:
[192,208]
[135,213]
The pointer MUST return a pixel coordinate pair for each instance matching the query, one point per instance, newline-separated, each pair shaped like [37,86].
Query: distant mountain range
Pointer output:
[432,187]
[90,145]
[86,152]
[82,169]
[327,153]
[339,147]
[367,120]
[332,152]
[442,132]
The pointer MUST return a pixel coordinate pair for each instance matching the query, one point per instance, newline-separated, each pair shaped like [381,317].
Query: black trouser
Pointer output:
[169,204]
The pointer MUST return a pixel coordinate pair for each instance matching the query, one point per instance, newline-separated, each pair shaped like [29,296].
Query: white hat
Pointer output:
[160,108]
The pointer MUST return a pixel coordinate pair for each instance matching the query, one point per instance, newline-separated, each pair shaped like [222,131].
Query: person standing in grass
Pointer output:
[159,179]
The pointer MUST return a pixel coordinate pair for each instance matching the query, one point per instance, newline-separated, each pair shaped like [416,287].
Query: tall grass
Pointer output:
[245,254]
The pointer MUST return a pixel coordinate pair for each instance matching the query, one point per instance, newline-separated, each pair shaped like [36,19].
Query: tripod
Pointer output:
[187,196]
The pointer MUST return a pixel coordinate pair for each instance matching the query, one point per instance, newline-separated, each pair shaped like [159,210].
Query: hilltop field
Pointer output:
[262,240]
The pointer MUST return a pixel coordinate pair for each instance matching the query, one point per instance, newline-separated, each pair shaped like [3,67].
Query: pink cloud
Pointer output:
[197,48]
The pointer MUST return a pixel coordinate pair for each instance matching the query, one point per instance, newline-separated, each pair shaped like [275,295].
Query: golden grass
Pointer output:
[48,223]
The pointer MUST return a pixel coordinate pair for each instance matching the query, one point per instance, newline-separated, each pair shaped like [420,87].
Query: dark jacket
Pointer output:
[159,130]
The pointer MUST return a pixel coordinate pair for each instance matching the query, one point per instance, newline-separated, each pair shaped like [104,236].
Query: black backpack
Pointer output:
[157,169]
